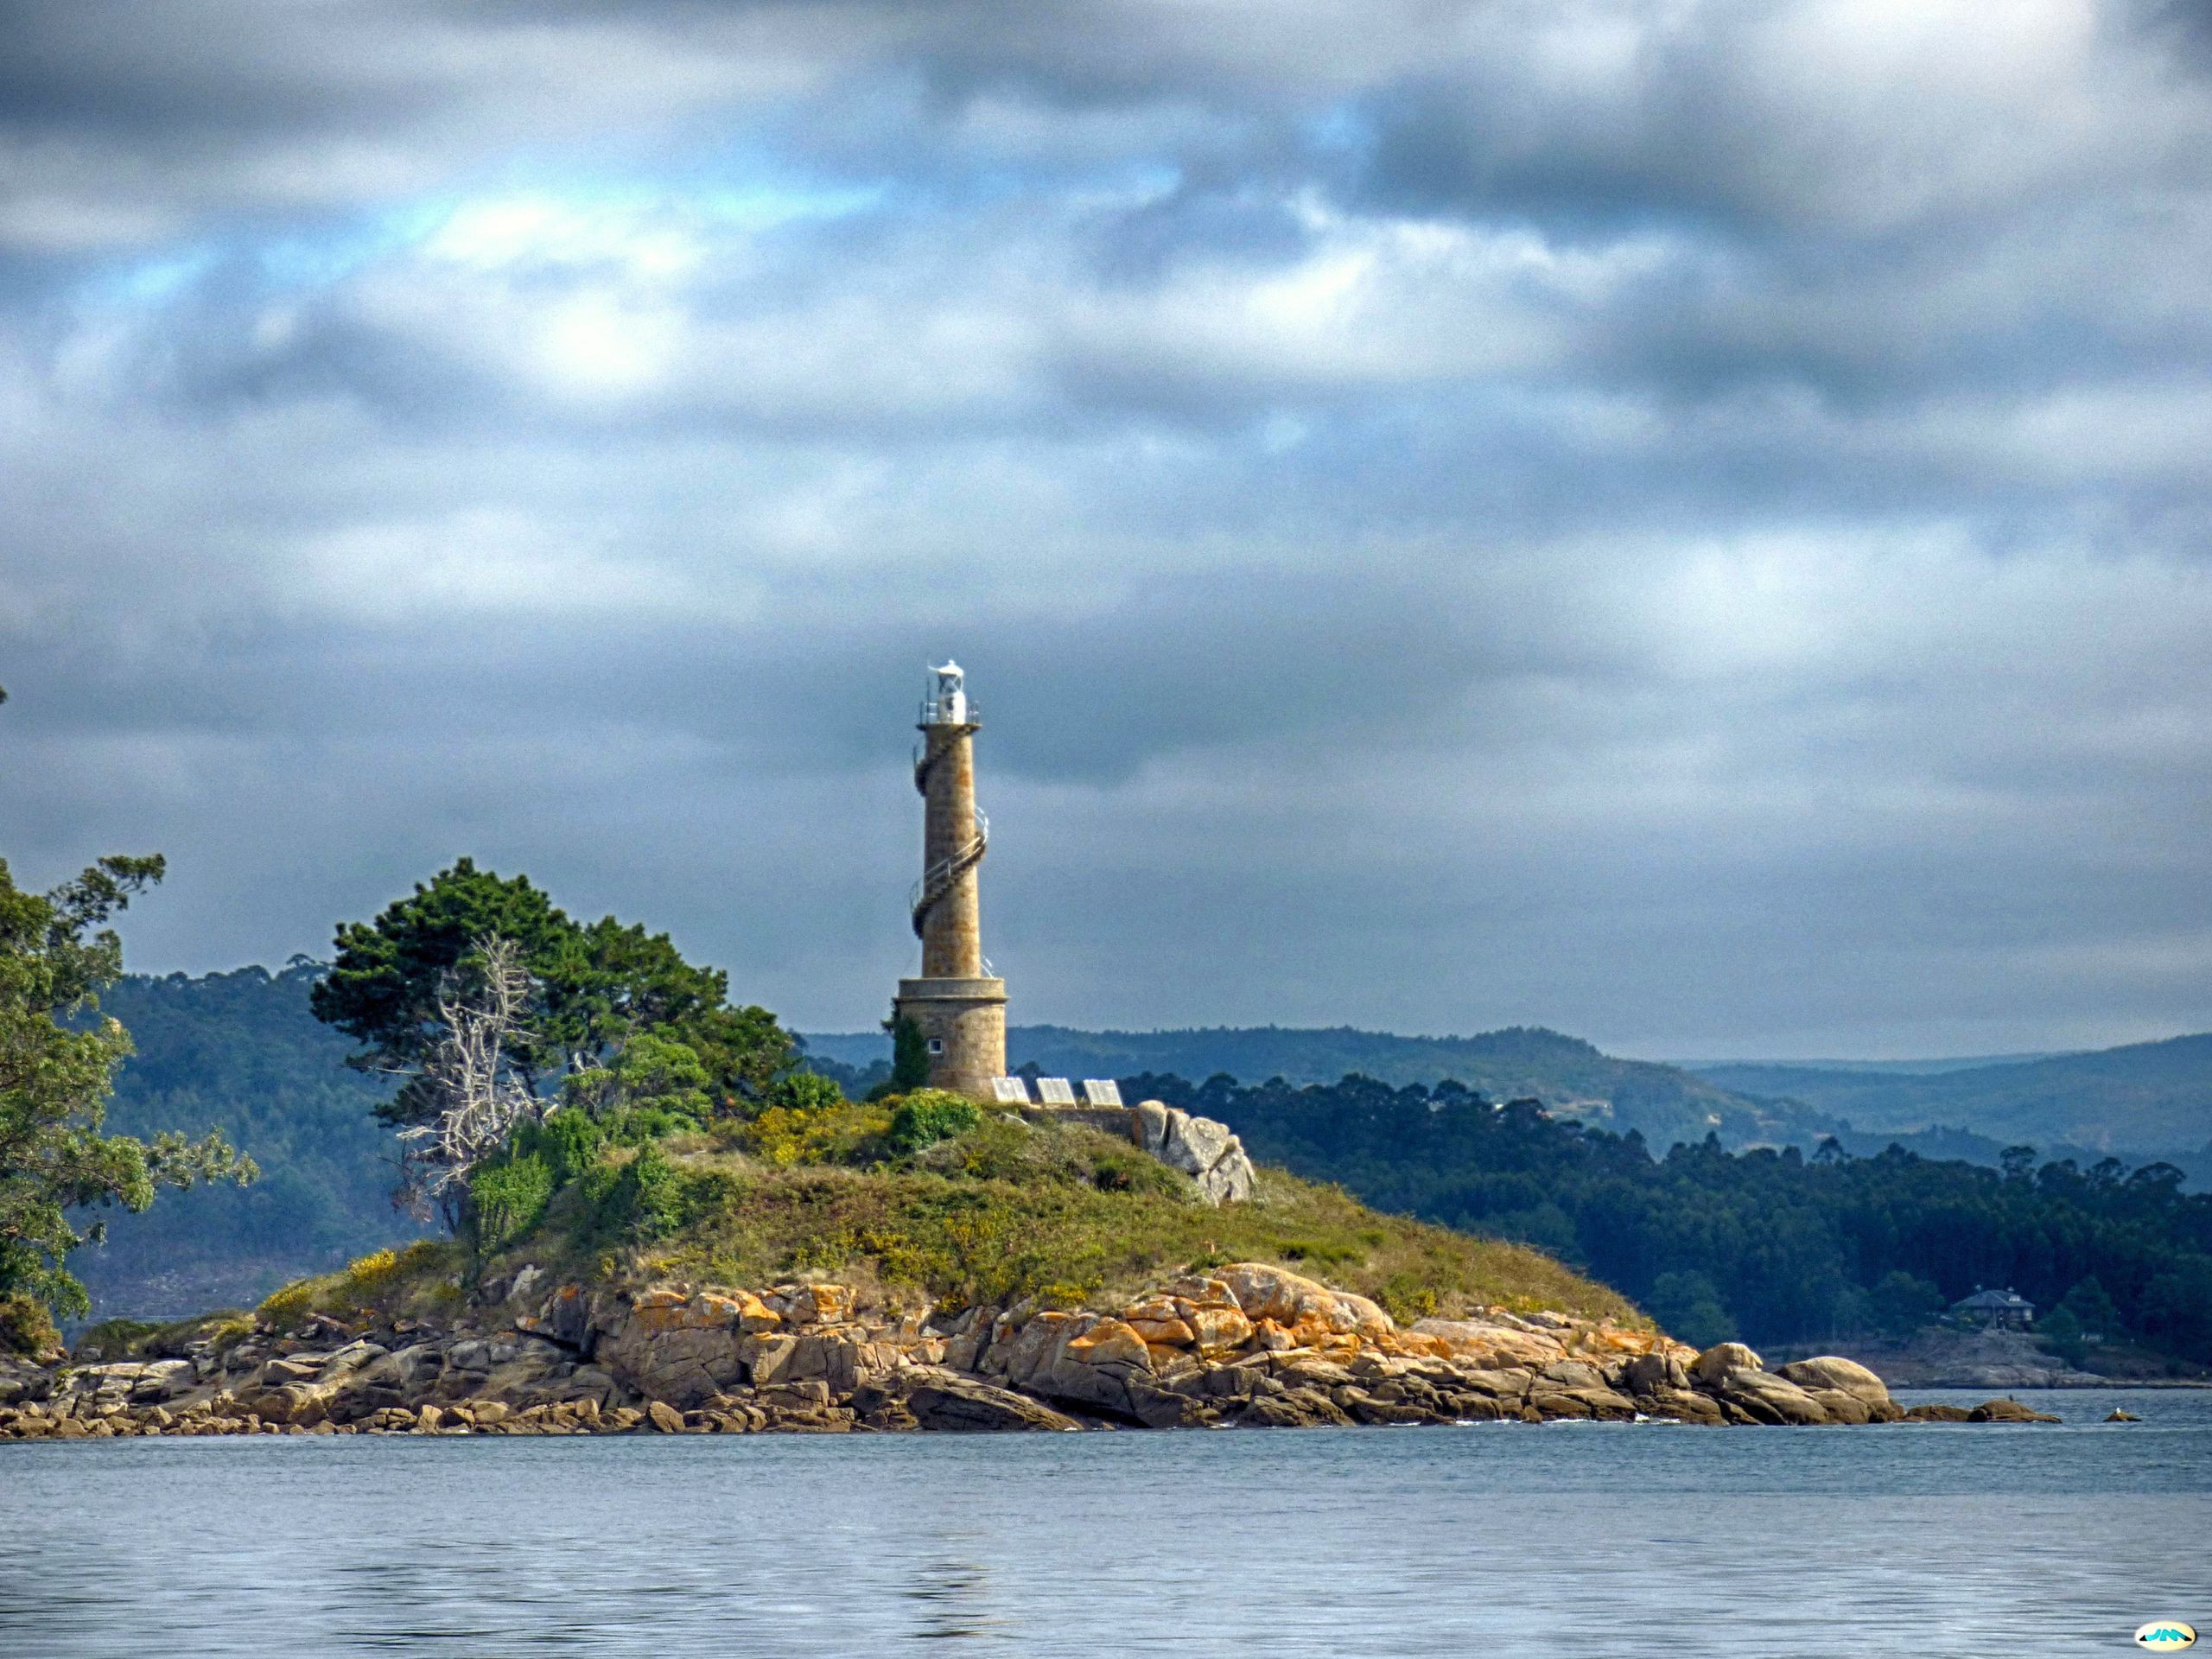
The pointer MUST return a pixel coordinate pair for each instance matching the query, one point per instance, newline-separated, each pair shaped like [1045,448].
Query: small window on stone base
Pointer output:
[937,1045]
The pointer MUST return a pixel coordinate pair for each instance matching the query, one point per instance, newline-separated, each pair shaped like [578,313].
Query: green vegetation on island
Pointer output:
[579,1094]
[995,1213]
[640,1126]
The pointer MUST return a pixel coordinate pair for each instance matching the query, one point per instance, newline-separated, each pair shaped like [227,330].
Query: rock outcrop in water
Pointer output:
[1247,1345]
[1941,1357]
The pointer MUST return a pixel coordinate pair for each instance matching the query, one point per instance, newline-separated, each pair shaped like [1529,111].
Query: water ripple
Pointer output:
[1502,1541]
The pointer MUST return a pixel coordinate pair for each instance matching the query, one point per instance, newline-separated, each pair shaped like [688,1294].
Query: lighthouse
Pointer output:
[957,1003]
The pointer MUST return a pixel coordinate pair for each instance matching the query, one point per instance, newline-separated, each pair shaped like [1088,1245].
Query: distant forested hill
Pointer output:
[240,1053]
[1568,1075]
[2147,1098]
[2148,1102]
[1775,1245]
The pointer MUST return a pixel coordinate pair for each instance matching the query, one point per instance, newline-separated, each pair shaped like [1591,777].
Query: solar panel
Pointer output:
[1101,1091]
[1011,1091]
[1055,1091]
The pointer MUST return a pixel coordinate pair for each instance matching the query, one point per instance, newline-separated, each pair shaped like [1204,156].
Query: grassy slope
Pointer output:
[241,1050]
[1065,1214]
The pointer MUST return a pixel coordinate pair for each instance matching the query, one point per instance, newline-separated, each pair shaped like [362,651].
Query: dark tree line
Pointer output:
[1786,1247]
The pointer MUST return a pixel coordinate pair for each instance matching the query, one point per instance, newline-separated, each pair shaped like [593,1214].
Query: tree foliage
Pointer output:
[653,1078]
[502,1014]
[594,986]
[1901,1302]
[2092,1309]
[58,1056]
[1687,1305]
[910,1060]
[385,987]
[2061,1332]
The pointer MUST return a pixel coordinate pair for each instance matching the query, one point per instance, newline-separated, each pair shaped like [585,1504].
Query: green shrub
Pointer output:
[1125,1169]
[804,1091]
[110,1340]
[657,1206]
[375,1279]
[508,1193]
[26,1327]
[839,1133]
[568,1141]
[636,1201]
[1002,1147]
[910,1060]
[1320,1252]
[639,1126]
[1404,1298]
[371,1273]
[927,1116]
[505,1198]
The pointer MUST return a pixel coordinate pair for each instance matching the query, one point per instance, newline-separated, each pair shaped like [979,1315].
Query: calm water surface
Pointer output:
[1484,1540]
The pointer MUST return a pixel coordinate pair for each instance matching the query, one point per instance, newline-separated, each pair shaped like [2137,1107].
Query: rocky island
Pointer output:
[1013,1275]
[660,1219]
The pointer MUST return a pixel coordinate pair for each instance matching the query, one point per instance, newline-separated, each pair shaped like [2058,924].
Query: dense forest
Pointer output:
[1775,1245]
[241,1052]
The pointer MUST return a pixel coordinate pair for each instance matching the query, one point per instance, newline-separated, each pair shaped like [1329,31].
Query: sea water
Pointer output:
[1485,1540]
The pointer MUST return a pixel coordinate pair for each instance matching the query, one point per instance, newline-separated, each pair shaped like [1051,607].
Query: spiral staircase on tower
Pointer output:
[938,879]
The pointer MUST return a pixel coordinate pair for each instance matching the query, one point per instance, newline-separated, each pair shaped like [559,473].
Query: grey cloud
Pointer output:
[1452,521]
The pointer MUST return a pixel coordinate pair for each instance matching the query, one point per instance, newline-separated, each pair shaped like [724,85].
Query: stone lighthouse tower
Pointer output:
[957,1003]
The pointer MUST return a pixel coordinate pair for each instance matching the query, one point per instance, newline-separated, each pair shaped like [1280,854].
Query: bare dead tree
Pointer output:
[480,1097]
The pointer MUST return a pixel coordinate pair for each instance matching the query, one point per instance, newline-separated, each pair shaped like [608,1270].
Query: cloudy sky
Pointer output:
[1686,522]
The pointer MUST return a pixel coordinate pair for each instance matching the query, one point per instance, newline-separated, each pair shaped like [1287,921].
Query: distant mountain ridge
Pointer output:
[2138,1098]
[1572,1077]
[2140,1102]
[1916,1068]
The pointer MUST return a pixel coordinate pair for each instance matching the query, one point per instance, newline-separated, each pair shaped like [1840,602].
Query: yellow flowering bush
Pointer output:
[287,1306]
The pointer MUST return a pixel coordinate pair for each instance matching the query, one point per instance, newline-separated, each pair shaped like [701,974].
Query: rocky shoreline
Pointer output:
[1243,1345]
[1946,1358]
